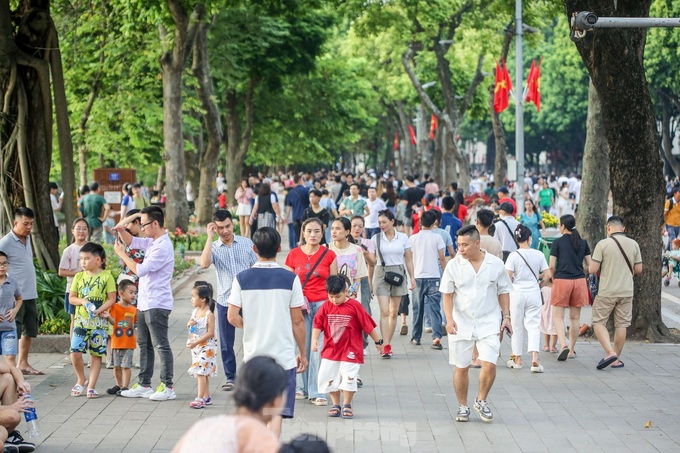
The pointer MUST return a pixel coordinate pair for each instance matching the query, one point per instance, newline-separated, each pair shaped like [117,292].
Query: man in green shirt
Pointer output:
[354,204]
[546,197]
[95,211]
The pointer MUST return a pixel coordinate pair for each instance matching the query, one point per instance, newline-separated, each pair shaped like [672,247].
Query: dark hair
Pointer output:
[133,212]
[265,189]
[616,220]
[448,202]
[324,192]
[438,213]
[430,197]
[80,219]
[336,284]
[267,242]
[260,381]
[155,214]
[353,185]
[533,205]
[3,254]
[459,199]
[485,217]
[204,291]
[387,214]
[124,283]
[84,189]
[94,186]
[52,185]
[96,250]
[312,220]
[363,222]
[346,225]
[522,233]
[221,215]
[569,223]
[23,211]
[428,218]
[316,192]
[469,231]
[305,443]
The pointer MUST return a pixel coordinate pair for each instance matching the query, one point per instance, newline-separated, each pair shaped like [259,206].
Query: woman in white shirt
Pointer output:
[524,267]
[393,253]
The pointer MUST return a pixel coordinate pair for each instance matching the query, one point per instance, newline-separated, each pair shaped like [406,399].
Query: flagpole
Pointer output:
[519,111]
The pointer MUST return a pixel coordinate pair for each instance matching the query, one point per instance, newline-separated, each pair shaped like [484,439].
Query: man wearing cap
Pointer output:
[505,229]
[504,196]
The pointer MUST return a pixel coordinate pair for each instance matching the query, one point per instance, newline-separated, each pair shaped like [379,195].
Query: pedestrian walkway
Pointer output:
[407,403]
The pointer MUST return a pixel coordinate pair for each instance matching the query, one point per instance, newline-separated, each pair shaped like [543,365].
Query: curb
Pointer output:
[61,343]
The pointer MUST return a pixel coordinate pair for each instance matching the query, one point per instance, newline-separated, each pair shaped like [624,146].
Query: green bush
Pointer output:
[51,290]
[56,326]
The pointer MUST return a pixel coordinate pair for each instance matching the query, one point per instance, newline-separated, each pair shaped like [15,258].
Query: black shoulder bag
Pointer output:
[306,307]
[391,278]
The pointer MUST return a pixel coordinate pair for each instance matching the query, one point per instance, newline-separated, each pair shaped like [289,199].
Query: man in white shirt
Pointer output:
[478,284]
[428,254]
[505,229]
[375,205]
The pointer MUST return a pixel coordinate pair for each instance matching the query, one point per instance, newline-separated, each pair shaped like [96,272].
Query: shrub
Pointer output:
[51,290]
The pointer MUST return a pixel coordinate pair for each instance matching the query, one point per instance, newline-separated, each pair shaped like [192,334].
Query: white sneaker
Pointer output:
[137,391]
[163,393]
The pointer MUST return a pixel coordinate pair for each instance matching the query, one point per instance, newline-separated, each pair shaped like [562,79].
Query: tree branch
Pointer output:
[406,61]
[248,131]
[476,81]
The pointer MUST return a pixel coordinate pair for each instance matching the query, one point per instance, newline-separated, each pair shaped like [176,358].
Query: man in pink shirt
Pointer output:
[154,301]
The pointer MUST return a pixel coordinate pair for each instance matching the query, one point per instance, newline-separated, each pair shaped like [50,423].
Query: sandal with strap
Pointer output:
[347,411]
[77,390]
[198,403]
[92,394]
[334,411]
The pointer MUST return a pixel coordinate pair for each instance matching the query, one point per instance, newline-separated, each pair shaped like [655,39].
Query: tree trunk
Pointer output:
[500,169]
[614,58]
[666,136]
[409,158]
[592,208]
[213,128]
[238,141]
[438,168]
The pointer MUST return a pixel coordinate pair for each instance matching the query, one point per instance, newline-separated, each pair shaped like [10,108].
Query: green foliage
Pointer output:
[51,291]
[55,326]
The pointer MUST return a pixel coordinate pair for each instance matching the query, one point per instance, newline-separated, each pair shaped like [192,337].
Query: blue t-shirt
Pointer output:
[298,199]
[451,224]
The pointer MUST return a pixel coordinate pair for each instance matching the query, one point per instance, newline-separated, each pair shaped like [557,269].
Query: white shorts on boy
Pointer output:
[335,376]
[460,351]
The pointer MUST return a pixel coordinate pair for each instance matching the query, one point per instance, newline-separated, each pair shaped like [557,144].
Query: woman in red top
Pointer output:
[459,209]
[303,261]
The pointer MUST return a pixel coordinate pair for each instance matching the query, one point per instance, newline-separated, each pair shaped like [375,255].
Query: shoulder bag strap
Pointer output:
[528,265]
[382,261]
[512,235]
[309,275]
[630,267]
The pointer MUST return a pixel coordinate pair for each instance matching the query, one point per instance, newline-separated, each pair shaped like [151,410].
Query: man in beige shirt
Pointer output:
[617,258]
[487,242]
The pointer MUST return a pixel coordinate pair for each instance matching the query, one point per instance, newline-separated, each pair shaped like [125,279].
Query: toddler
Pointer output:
[673,257]
[342,321]
[202,342]
[93,292]
[547,325]
[123,317]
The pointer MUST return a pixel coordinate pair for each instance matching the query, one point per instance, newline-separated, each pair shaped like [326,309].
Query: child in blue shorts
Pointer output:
[93,292]
[10,303]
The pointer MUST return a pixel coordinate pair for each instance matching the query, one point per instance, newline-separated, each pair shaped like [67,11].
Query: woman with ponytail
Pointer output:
[259,398]
[525,266]
[570,289]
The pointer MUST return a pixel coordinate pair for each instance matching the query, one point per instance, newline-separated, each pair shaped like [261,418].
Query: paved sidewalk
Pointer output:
[407,404]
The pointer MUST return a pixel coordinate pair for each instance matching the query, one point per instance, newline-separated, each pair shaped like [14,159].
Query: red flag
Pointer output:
[501,89]
[412,133]
[433,126]
[396,141]
[534,85]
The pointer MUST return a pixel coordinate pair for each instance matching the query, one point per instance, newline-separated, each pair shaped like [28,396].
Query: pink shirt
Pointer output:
[155,273]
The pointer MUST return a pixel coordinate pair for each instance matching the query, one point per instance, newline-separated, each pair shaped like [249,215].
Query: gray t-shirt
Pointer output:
[9,291]
[20,257]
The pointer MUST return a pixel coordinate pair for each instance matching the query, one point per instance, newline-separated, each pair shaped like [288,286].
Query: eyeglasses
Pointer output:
[144,225]
[4,264]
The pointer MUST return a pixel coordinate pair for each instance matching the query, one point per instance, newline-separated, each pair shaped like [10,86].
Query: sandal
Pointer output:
[334,411]
[300,395]
[92,394]
[553,350]
[319,401]
[546,348]
[512,363]
[77,390]
[347,411]
[563,354]
[228,387]
[198,403]
[536,367]
[437,345]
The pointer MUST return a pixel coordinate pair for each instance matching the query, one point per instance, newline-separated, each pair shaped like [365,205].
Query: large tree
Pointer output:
[615,61]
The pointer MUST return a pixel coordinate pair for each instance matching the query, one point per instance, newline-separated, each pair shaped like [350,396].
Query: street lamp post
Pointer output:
[519,109]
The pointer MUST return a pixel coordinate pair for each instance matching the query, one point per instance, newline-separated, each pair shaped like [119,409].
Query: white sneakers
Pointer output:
[162,392]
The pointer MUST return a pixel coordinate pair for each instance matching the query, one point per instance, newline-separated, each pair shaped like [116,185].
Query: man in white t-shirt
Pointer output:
[505,229]
[375,205]
[428,254]
[270,300]
[475,288]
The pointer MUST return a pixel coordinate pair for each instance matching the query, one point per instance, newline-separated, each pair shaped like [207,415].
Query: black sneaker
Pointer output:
[9,448]
[121,390]
[113,390]
[18,441]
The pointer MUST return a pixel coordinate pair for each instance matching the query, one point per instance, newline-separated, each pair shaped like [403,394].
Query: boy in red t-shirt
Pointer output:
[123,317]
[342,321]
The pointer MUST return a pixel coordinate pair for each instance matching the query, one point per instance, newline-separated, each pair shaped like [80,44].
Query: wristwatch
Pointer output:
[379,343]
[506,316]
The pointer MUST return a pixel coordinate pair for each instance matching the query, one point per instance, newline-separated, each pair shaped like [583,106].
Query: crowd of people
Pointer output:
[468,270]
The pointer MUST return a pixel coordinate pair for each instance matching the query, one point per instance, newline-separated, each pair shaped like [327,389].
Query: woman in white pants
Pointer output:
[524,267]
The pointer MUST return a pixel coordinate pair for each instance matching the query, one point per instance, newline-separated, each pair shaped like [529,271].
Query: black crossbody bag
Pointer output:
[391,278]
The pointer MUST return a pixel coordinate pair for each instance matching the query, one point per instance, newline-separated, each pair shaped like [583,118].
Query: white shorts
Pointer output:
[334,376]
[460,351]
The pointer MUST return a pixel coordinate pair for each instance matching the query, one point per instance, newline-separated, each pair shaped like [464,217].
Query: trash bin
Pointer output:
[544,245]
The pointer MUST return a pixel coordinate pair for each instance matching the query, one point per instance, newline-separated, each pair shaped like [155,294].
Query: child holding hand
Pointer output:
[202,342]
[93,292]
[123,317]
[342,320]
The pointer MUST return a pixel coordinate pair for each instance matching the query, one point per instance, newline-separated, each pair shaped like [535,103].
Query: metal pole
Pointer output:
[519,110]
[636,22]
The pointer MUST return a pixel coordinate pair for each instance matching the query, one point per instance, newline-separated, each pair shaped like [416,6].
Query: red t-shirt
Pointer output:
[509,200]
[462,212]
[342,326]
[301,263]
[222,200]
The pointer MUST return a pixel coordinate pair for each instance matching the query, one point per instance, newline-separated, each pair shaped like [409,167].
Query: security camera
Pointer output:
[584,20]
